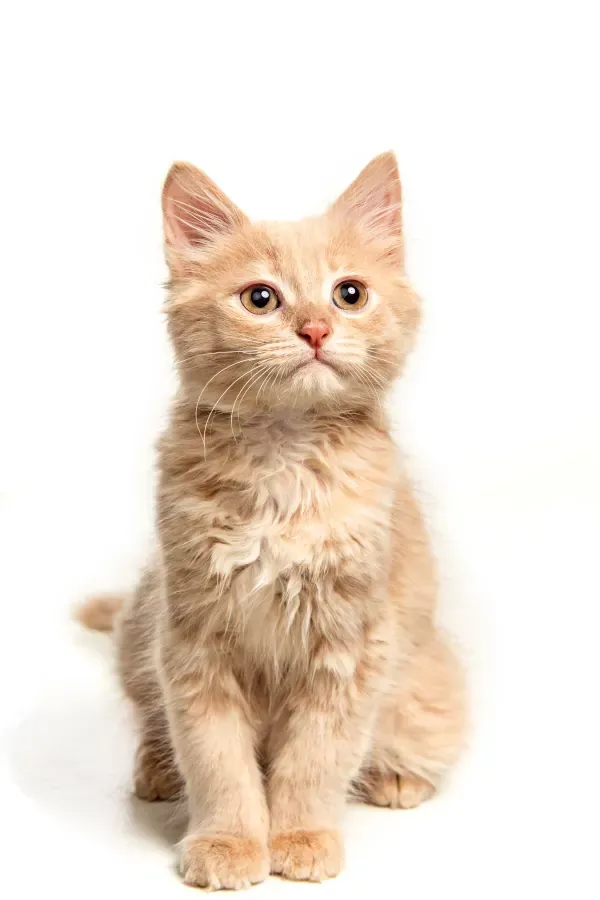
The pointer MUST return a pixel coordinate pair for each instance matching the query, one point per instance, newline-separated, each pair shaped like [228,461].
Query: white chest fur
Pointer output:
[294,507]
[300,500]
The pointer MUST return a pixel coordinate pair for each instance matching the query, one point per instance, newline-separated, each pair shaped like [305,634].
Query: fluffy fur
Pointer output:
[281,648]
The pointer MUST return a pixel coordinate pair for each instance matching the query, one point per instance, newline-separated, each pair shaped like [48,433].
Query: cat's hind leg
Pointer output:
[156,774]
[420,730]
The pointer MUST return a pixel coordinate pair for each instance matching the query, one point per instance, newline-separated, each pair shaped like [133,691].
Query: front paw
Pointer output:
[223,861]
[307,855]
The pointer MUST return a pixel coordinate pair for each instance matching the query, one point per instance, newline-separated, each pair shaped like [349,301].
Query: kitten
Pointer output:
[281,649]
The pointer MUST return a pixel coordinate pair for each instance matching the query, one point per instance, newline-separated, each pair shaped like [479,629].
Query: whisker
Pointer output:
[245,387]
[375,375]
[376,396]
[265,375]
[224,369]
[364,379]
[245,374]
[276,373]
[187,357]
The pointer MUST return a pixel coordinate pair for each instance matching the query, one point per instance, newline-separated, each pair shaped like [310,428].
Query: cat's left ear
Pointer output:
[195,212]
[374,200]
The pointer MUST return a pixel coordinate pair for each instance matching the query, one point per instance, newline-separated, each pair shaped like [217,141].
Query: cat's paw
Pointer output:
[156,777]
[223,861]
[307,855]
[397,791]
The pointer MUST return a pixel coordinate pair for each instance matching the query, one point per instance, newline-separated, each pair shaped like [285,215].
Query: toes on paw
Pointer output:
[398,791]
[223,861]
[413,791]
[306,855]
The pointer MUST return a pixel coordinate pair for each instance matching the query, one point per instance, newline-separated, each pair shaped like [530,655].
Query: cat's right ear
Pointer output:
[195,210]
[374,202]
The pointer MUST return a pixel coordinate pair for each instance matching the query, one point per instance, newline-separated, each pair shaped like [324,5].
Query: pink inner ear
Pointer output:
[374,198]
[195,209]
[389,212]
[194,221]
[382,211]
[180,214]
[194,218]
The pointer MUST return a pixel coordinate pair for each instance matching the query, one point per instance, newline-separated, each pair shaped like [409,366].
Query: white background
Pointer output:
[492,109]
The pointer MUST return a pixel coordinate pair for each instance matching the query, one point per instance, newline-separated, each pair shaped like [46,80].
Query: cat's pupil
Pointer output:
[260,297]
[349,293]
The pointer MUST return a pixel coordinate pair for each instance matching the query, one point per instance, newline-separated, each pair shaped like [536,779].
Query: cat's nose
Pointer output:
[315,333]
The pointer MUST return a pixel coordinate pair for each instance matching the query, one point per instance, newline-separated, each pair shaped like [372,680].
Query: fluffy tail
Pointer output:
[99,613]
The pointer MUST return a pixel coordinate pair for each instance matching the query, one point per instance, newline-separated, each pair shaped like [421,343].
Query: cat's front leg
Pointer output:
[315,751]
[226,845]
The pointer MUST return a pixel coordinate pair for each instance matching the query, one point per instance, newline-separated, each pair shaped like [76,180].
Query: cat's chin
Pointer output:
[316,379]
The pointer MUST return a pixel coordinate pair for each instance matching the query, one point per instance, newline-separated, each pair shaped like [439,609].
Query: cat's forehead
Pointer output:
[302,254]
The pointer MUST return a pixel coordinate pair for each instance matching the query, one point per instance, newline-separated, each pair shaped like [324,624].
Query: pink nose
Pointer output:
[315,333]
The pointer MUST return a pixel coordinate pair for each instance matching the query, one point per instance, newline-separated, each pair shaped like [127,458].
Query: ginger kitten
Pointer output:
[281,649]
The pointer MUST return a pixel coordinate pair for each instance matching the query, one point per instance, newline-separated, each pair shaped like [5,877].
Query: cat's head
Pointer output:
[315,313]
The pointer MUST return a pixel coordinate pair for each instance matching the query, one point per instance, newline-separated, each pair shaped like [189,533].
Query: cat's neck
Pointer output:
[279,417]
[214,445]
[212,425]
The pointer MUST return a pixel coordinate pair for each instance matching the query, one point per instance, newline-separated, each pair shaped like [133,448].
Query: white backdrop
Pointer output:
[492,109]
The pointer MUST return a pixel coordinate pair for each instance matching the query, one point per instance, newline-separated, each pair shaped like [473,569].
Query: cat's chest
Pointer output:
[287,498]
[303,512]
[285,561]
[278,531]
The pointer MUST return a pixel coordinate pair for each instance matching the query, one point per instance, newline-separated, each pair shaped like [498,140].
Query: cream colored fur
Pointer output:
[281,649]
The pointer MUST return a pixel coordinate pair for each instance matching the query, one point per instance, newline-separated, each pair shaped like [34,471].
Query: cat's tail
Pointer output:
[98,613]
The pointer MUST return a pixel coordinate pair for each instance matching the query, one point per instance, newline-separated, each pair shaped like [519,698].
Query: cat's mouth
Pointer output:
[316,361]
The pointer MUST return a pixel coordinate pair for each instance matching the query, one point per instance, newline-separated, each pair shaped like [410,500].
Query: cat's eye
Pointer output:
[350,295]
[260,299]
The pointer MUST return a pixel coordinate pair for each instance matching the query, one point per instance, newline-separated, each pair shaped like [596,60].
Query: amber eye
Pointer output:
[260,299]
[350,295]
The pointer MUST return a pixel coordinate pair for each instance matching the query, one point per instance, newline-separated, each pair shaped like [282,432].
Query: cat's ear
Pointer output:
[374,199]
[195,210]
